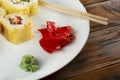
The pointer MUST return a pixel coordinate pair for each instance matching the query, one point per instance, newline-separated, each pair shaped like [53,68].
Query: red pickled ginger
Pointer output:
[54,38]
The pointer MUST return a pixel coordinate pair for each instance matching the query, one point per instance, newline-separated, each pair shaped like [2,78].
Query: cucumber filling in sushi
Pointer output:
[20,1]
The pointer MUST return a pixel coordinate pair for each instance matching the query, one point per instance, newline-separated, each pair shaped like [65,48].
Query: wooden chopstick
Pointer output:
[74,12]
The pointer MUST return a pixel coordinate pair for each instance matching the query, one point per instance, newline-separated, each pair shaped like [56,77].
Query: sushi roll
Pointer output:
[2,15]
[33,7]
[26,7]
[2,12]
[0,2]
[17,28]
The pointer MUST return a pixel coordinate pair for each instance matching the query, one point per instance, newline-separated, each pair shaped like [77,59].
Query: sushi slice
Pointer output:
[2,14]
[27,7]
[0,2]
[33,7]
[17,28]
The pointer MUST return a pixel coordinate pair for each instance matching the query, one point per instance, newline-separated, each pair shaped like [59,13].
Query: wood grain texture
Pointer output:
[88,2]
[107,73]
[100,58]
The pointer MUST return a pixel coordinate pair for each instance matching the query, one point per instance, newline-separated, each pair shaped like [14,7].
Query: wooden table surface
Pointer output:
[100,58]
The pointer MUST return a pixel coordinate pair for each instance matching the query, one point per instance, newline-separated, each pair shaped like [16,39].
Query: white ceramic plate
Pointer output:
[10,54]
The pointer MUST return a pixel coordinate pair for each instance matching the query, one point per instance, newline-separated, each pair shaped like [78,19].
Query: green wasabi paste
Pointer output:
[28,63]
